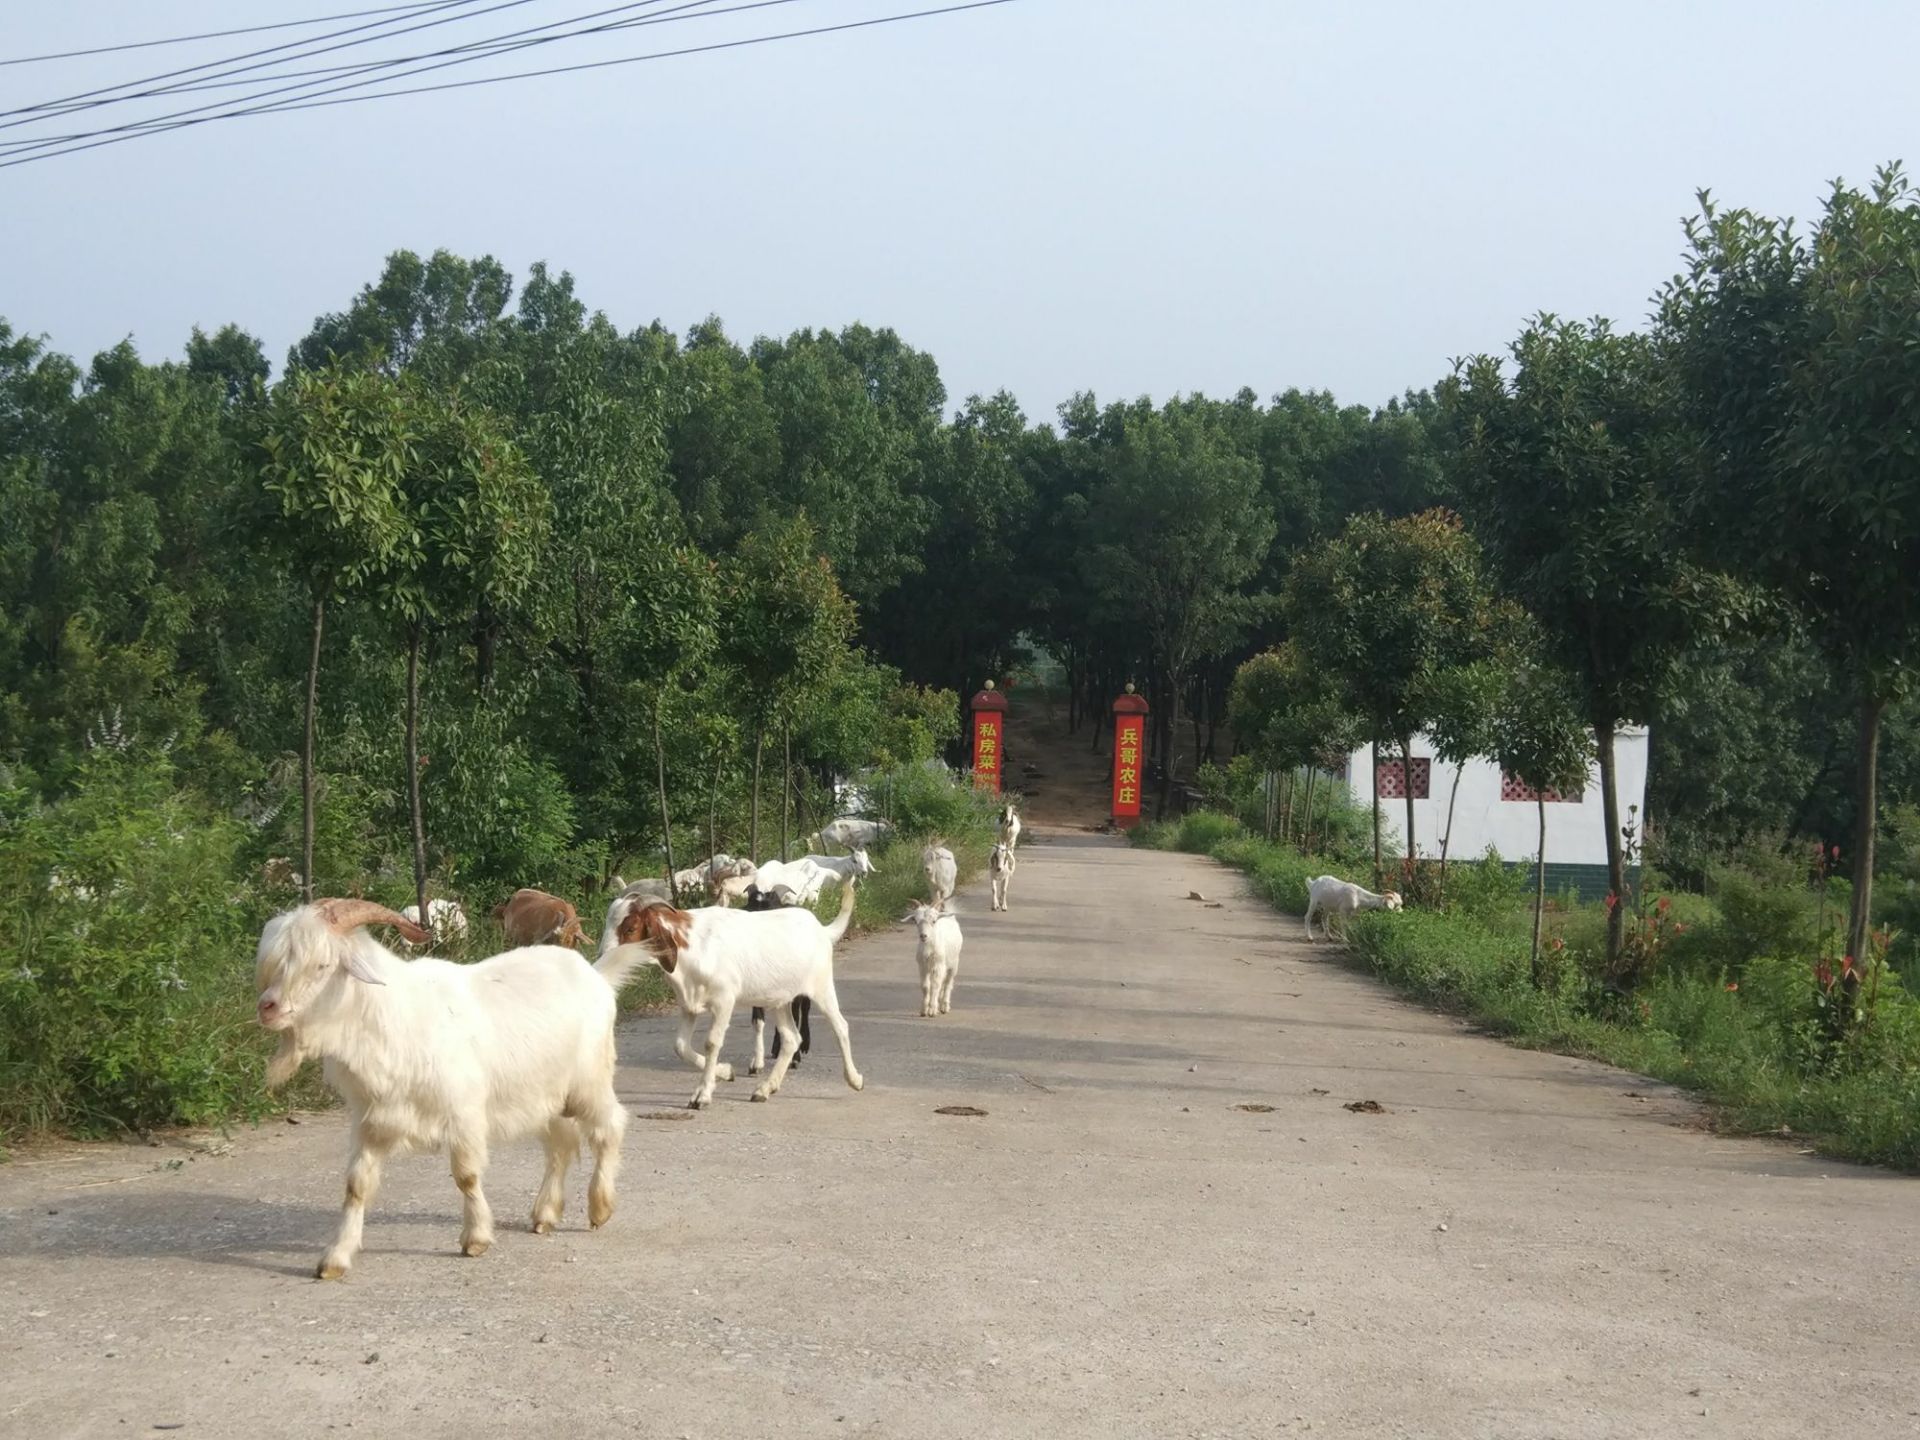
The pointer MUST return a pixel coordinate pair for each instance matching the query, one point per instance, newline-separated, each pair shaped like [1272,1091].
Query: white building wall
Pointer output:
[1576,832]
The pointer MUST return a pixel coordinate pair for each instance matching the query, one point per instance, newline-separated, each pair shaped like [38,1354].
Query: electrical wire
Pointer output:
[496,45]
[311,103]
[214,34]
[84,99]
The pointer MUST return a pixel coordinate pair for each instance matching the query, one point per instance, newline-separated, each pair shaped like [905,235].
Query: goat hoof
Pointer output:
[695,1103]
[474,1249]
[762,1095]
[543,1227]
[330,1269]
[856,1082]
[753,1069]
[598,1214]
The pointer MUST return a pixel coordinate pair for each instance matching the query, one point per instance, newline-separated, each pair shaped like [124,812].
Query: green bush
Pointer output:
[126,998]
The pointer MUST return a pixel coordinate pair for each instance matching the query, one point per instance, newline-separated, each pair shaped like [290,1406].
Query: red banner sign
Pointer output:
[1127,765]
[988,734]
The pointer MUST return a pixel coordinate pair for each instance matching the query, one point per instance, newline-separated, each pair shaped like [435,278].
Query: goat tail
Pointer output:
[845,917]
[616,967]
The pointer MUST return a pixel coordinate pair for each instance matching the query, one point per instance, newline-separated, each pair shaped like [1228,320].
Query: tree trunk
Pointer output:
[786,783]
[418,818]
[1539,889]
[1406,785]
[1168,740]
[306,753]
[753,828]
[660,779]
[713,809]
[1616,862]
[1446,840]
[1866,800]
[1306,824]
[1375,753]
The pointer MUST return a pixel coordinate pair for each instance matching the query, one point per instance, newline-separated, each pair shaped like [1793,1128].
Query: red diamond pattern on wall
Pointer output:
[1512,787]
[1390,779]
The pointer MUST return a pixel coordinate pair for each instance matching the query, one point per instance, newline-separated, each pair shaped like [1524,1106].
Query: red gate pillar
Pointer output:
[989,737]
[1129,750]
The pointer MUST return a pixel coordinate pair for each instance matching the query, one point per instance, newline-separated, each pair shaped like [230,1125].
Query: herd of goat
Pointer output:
[432,1055]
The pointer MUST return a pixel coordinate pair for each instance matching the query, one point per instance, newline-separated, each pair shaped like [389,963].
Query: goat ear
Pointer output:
[358,968]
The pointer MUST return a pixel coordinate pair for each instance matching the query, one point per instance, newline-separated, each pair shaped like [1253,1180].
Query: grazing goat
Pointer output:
[1329,896]
[1009,826]
[710,874]
[802,1007]
[939,956]
[716,959]
[943,872]
[850,831]
[1000,866]
[429,1055]
[445,919]
[533,917]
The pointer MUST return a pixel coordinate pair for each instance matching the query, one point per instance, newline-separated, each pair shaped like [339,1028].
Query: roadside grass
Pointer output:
[1744,1030]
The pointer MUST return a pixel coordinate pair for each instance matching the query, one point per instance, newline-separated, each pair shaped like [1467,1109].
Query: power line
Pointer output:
[496,45]
[315,102]
[214,34]
[73,102]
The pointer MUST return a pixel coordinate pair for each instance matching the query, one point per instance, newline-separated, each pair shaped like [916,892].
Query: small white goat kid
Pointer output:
[717,959]
[1000,867]
[445,919]
[1329,896]
[939,955]
[943,873]
[429,1055]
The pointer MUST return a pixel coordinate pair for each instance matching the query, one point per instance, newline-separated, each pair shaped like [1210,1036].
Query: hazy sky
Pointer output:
[1131,196]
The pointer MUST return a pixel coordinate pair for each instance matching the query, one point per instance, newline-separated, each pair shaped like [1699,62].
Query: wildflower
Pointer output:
[1679,927]
[1556,943]
[23,973]
[1612,900]
[1836,852]
[1664,905]
[1846,966]
[1732,985]
[1823,973]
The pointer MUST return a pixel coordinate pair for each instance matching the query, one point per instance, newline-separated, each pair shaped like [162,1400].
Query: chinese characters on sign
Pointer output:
[1127,730]
[986,750]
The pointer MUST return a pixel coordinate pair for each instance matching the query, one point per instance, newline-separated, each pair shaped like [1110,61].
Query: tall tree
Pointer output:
[1539,738]
[1175,532]
[1385,610]
[1568,474]
[336,445]
[1801,360]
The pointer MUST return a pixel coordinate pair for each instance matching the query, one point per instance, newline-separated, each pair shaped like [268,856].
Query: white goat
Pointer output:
[430,1055]
[717,959]
[850,831]
[943,872]
[445,919]
[709,873]
[1009,826]
[939,955]
[808,876]
[1000,866]
[1329,896]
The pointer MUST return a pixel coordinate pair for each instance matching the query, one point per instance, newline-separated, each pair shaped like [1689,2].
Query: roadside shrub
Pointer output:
[1487,890]
[127,923]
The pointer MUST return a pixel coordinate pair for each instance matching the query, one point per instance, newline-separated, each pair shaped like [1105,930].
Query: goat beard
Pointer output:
[286,1059]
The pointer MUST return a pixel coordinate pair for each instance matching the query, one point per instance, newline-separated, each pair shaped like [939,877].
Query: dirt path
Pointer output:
[1128,1243]
[1063,781]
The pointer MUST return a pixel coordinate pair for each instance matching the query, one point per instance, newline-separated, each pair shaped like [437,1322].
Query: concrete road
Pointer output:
[1127,1243]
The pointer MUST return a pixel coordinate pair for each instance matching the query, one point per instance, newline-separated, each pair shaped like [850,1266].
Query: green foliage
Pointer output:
[126,997]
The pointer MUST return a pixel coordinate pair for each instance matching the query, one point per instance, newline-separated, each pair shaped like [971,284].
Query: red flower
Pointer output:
[1732,985]
[1823,972]
[1612,900]
[1836,852]
[1664,905]
[1846,966]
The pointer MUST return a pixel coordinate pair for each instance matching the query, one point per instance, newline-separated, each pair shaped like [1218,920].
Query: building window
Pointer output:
[1512,787]
[1390,778]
